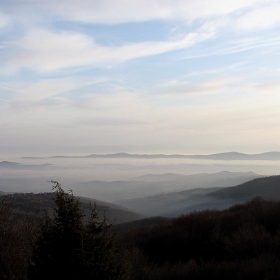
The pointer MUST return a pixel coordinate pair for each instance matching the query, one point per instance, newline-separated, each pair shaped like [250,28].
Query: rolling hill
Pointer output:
[183,202]
[30,203]
[154,184]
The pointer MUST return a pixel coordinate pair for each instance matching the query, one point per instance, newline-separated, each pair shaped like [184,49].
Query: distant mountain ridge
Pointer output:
[17,165]
[176,203]
[171,177]
[218,156]
[153,184]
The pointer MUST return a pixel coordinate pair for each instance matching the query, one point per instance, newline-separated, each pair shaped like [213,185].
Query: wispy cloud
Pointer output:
[69,49]
[43,89]
[203,88]
[157,72]
[272,88]
[110,11]
[4,19]
[261,18]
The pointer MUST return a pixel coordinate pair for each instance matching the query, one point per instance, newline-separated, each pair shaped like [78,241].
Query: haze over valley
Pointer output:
[114,177]
[146,185]
[120,101]
[164,115]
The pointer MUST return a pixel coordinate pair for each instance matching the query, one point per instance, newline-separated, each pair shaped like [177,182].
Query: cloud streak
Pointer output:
[205,88]
[69,49]
[4,20]
[161,73]
[112,12]
[261,18]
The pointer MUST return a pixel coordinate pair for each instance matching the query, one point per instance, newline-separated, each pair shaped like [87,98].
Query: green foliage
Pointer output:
[71,248]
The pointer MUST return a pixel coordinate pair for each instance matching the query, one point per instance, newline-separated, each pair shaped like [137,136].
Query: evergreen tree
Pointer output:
[70,248]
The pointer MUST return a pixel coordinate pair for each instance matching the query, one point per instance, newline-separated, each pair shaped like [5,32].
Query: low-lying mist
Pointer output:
[24,174]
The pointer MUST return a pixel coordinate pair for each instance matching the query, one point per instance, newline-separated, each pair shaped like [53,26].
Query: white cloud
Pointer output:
[4,20]
[111,11]
[263,17]
[47,51]
[272,88]
[207,106]
[124,10]
[127,117]
[214,86]
[110,101]
[42,94]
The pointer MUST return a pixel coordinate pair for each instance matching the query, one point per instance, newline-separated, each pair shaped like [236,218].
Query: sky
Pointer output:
[139,76]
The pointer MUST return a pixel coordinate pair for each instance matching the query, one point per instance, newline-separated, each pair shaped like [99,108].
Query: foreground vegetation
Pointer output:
[61,246]
[242,242]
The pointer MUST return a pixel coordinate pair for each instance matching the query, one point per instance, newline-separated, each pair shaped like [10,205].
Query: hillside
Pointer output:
[239,243]
[183,202]
[157,184]
[30,203]
[267,188]
[128,226]
[168,203]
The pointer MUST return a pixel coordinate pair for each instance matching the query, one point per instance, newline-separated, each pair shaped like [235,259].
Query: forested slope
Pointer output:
[242,242]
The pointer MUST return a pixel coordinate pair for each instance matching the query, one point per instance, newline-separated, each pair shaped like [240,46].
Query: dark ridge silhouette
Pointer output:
[8,164]
[176,203]
[172,177]
[267,188]
[120,192]
[218,156]
[30,203]
[16,165]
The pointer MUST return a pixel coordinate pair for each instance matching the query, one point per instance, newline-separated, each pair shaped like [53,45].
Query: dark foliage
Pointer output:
[16,242]
[39,203]
[242,242]
[69,248]
[64,245]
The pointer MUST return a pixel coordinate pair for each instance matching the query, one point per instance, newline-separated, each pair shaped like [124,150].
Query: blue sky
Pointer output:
[158,76]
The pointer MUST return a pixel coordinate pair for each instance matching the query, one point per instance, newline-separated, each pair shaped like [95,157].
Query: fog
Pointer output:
[33,174]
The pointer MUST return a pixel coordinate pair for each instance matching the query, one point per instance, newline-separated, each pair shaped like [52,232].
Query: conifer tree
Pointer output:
[71,248]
